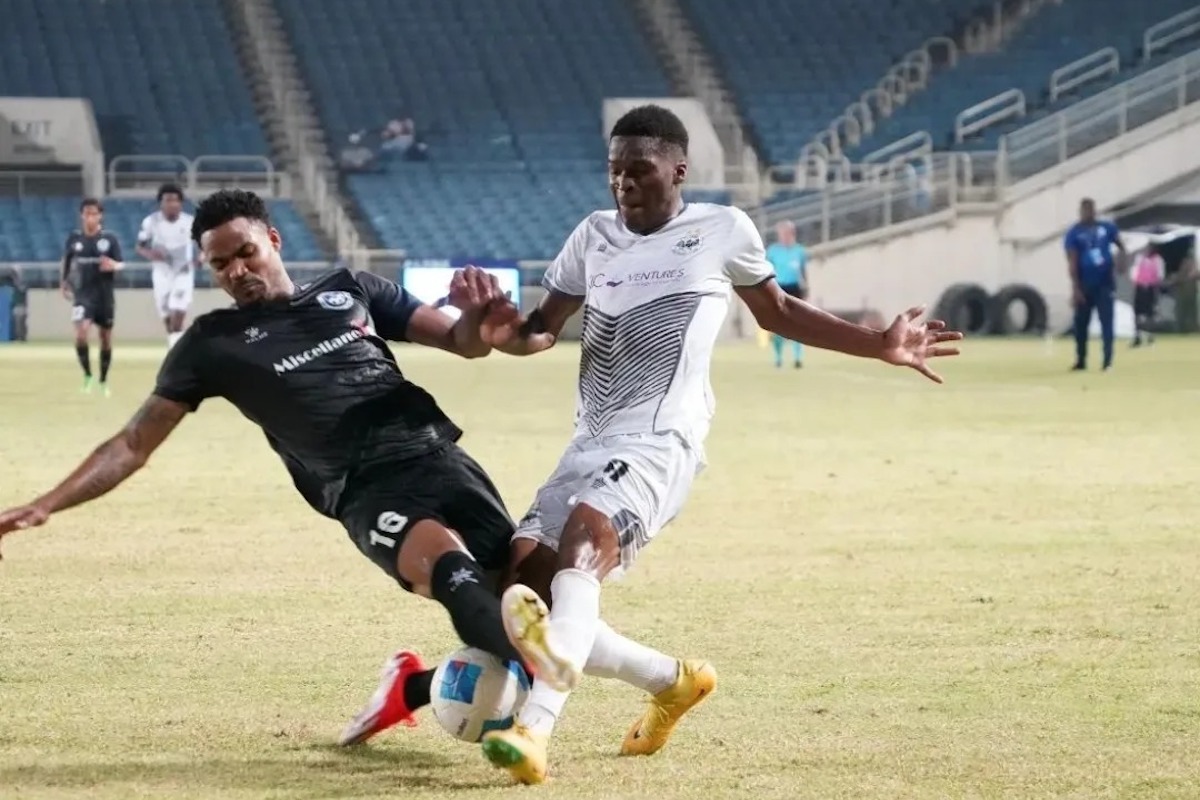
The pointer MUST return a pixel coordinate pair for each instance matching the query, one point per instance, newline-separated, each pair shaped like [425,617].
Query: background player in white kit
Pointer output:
[165,240]
[653,278]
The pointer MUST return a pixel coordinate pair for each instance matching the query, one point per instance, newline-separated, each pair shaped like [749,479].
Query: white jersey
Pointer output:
[653,307]
[174,238]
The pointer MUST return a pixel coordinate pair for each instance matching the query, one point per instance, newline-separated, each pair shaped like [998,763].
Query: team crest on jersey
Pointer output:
[102,245]
[79,247]
[689,244]
[335,301]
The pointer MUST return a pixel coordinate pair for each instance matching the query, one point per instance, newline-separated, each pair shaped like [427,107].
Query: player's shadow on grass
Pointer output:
[315,771]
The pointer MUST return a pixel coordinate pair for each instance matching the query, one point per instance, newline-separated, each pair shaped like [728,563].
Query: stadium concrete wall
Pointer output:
[1139,162]
[49,315]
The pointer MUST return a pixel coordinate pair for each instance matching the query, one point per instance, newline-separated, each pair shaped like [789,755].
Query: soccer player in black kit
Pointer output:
[90,257]
[310,366]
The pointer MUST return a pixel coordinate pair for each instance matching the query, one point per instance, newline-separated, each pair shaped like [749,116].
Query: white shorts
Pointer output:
[639,481]
[173,290]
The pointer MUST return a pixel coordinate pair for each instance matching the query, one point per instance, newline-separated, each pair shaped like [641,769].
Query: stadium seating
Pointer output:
[507,95]
[163,78]
[33,229]
[795,65]
[1058,35]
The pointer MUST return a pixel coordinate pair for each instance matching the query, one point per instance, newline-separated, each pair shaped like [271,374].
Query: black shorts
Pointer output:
[97,308]
[447,486]
[1145,300]
[795,290]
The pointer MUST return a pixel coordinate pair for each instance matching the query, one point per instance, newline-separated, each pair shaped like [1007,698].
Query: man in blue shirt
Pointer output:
[1089,245]
[790,260]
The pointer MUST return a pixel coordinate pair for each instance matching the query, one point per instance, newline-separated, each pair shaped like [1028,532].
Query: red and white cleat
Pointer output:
[386,707]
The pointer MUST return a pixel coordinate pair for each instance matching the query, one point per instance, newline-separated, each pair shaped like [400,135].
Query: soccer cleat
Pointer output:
[386,706]
[527,623]
[518,750]
[105,390]
[697,680]
[87,385]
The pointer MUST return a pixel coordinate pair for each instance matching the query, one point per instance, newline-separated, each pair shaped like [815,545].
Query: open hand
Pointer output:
[22,517]
[909,343]
[107,264]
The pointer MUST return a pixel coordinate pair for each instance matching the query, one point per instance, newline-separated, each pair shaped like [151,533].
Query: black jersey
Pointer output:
[81,262]
[315,373]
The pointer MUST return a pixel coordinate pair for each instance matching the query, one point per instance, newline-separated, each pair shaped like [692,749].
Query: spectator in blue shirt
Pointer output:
[1089,245]
[790,260]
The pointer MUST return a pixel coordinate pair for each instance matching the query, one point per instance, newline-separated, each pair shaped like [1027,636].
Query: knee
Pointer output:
[590,542]
[423,545]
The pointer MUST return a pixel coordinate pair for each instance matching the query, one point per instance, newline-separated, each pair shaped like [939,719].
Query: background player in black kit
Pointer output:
[309,365]
[90,257]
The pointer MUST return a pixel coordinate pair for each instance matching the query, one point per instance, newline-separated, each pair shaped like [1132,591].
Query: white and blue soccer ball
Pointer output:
[474,692]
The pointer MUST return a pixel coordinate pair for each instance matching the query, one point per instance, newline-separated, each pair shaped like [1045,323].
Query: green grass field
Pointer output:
[986,589]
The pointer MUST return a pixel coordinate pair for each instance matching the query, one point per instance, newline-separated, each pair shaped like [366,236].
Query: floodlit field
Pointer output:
[987,589]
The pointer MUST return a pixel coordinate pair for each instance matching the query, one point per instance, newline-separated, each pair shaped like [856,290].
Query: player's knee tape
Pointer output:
[459,584]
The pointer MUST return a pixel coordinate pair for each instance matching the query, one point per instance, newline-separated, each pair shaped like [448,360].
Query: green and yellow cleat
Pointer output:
[88,383]
[518,750]
[527,623]
[697,680]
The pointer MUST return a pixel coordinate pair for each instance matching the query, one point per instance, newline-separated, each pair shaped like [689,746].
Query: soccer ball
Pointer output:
[474,692]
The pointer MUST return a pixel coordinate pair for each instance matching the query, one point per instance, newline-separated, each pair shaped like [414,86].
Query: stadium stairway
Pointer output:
[1061,34]
[507,97]
[797,64]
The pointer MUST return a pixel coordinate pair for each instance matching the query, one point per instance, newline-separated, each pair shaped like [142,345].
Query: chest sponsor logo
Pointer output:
[326,347]
[651,277]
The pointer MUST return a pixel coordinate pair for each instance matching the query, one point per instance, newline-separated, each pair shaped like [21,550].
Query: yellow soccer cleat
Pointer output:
[527,623]
[518,750]
[697,680]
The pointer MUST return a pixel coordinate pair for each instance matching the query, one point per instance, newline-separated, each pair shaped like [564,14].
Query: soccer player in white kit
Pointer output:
[165,240]
[654,279]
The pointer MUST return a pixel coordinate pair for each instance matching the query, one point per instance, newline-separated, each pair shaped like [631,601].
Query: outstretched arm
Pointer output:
[906,342]
[536,332]
[108,465]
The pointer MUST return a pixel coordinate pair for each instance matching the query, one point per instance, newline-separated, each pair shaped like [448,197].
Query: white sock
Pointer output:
[542,708]
[172,338]
[574,615]
[615,656]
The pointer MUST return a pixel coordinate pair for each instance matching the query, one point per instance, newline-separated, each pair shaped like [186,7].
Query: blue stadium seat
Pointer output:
[1058,35]
[163,77]
[33,229]
[508,96]
[795,65]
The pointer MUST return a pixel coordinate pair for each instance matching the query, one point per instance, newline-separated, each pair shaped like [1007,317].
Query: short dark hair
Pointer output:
[91,202]
[170,188]
[220,207]
[652,122]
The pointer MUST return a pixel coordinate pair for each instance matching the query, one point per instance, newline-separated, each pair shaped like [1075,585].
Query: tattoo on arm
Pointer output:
[119,457]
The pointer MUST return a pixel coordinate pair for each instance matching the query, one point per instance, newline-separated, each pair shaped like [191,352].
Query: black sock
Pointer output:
[105,363]
[457,584]
[85,359]
[418,689]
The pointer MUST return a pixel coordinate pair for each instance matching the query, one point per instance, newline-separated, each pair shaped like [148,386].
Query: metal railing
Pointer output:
[142,174]
[1095,66]
[982,116]
[1100,118]
[1164,34]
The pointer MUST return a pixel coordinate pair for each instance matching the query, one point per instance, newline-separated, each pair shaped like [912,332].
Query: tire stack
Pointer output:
[1017,309]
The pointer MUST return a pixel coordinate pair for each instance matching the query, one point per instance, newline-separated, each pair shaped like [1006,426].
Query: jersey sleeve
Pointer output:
[745,259]
[68,255]
[182,376]
[146,232]
[568,273]
[391,307]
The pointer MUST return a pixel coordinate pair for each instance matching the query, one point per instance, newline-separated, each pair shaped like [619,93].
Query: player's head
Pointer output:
[647,165]
[91,215]
[170,200]
[234,232]
[1087,210]
[785,232]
